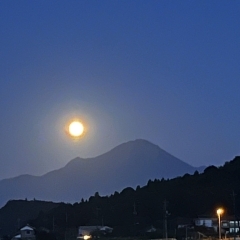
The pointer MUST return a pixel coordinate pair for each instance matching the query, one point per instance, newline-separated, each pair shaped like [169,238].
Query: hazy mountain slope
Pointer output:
[129,164]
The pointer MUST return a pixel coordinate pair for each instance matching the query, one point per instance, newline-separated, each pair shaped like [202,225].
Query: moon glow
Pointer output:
[75,129]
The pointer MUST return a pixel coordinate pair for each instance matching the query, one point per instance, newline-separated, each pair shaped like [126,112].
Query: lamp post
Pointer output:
[219,212]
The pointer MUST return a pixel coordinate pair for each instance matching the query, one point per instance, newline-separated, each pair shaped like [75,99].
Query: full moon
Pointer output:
[75,129]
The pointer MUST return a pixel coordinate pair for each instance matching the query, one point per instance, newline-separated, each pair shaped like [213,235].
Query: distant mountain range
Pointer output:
[127,165]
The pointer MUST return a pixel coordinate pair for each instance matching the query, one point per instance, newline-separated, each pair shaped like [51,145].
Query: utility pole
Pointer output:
[98,220]
[186,232]
[165,218]
[53,224]
[134,209]
[65,235]
[135,219]
[66,218]
[18,223]
[234,212]
[102,222]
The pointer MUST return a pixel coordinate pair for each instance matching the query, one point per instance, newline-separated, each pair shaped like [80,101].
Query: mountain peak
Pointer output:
[137,145]
[139,142]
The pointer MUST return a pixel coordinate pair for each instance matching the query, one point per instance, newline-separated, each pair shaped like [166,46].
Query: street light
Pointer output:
[219,212]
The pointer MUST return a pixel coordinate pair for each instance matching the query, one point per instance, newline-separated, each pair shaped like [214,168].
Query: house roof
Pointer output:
[89,227]
[206,218]
[104,228]
[18,236]
[151,229]
[26,228]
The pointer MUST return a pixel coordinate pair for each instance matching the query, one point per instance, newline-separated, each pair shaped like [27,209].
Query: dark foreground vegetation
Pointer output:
[132,211]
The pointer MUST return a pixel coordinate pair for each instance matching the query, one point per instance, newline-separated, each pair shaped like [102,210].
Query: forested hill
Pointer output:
[17,213]
[186,196]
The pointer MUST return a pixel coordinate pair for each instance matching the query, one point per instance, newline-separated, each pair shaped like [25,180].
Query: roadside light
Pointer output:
[86,237]
[219,213]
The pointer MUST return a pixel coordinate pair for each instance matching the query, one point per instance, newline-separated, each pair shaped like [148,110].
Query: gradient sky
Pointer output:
[165,71]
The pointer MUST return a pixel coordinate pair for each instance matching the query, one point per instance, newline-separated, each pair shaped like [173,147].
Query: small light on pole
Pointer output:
[219,213]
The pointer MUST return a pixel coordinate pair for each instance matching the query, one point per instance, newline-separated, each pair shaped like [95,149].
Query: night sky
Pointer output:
[164,71]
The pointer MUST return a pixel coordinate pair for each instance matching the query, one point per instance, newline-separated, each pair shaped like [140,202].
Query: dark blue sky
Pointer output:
[164,71]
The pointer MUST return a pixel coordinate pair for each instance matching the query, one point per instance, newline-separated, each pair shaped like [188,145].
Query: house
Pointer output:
[26,233]
[151,229]
[85,232]
[106,229]
[230,225]
[206,222]
[184,222]
[17,237]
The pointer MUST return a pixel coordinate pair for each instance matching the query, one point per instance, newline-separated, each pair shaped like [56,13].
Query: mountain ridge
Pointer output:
[127,165]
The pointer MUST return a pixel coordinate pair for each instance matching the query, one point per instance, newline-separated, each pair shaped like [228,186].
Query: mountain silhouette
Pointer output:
[127,165]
